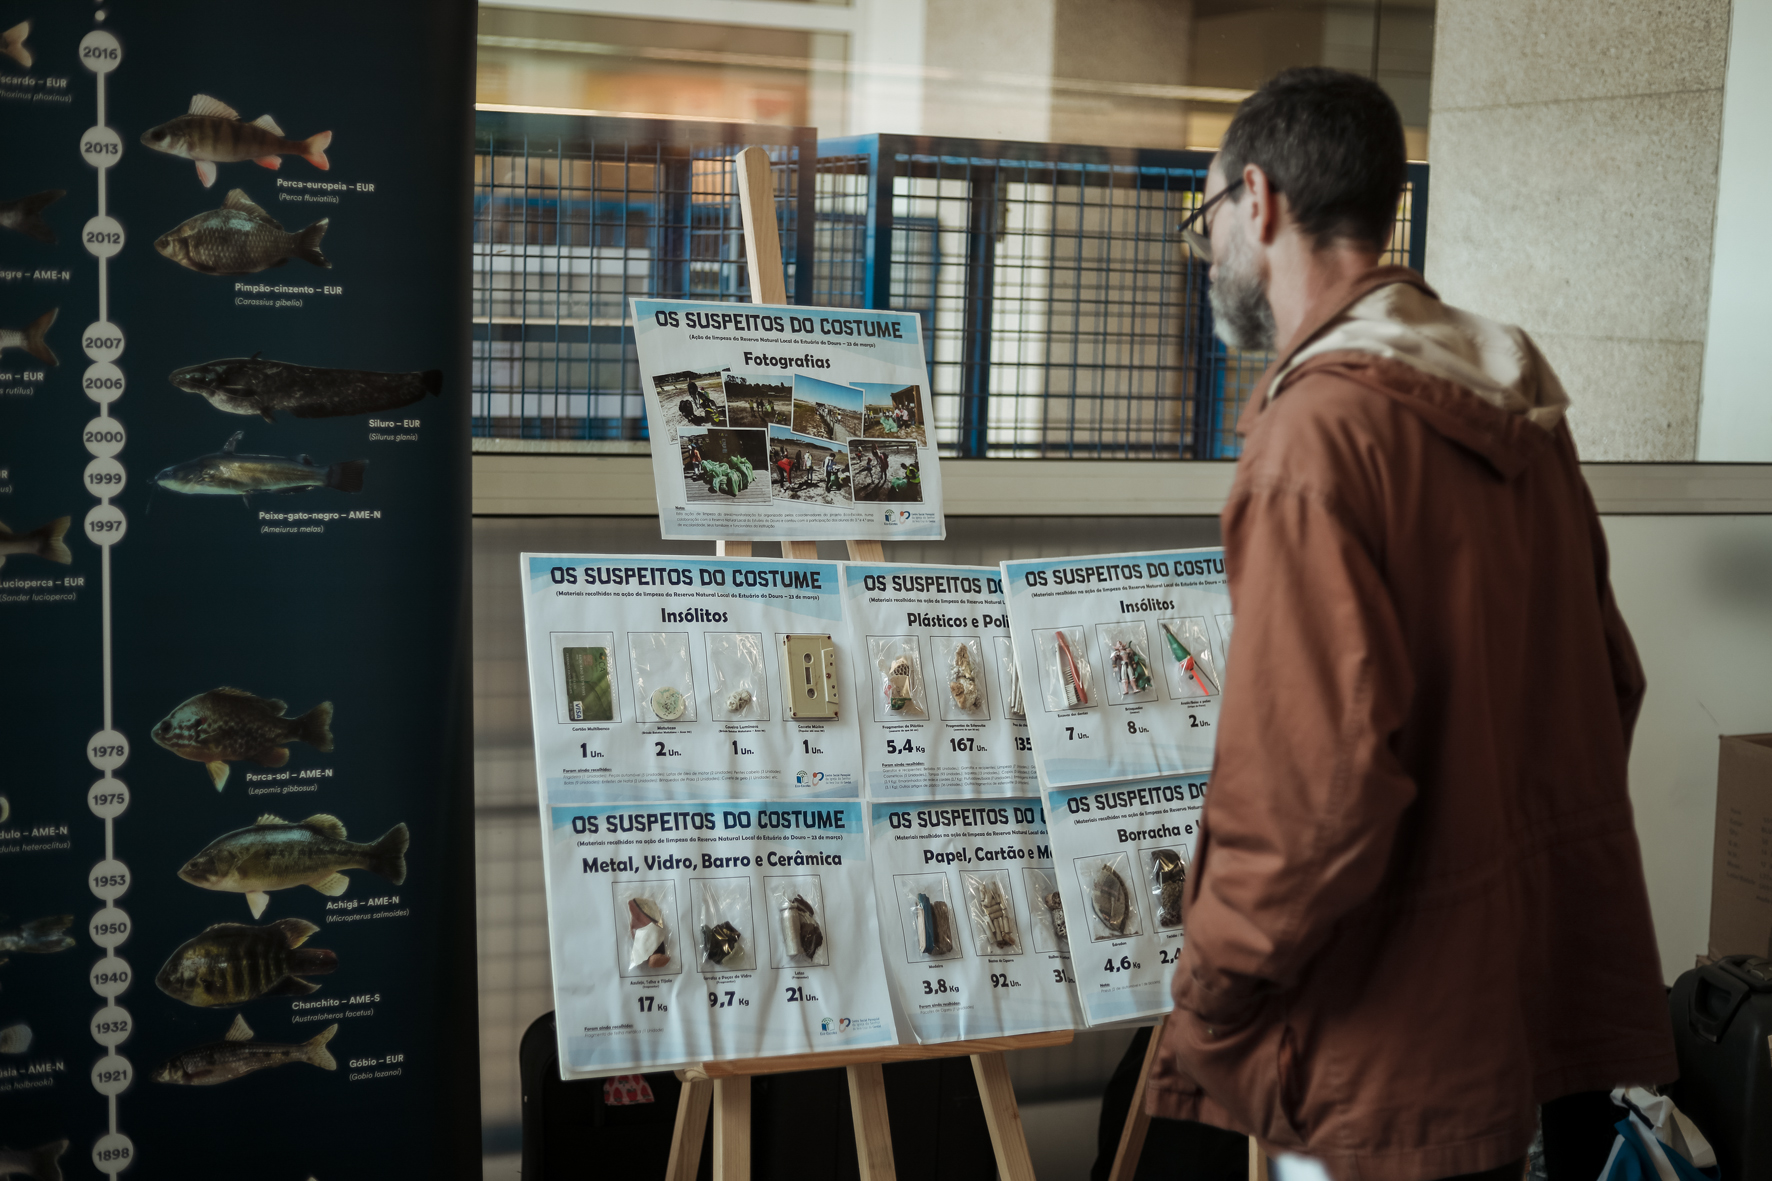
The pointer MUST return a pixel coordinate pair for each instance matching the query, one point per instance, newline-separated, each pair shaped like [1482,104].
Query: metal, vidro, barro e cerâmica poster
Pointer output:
[235,859]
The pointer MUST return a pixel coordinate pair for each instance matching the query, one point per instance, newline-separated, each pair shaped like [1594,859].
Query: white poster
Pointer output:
[709,931]
[974,931]
[787,422]
[1123,661]
[689,679]
[943,712]
[1121,855]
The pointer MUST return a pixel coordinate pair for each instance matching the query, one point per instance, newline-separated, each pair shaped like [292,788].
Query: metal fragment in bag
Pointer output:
[1111,899]
[1170,875]
[935,928]
[799,930]
[996,915]
[648,935]
[1055,907]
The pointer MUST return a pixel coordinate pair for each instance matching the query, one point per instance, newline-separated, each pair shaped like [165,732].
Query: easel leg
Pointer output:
[1257,1161]
[873,1131]
[1137,1122]
[732,1128]
[692,1125]
[1008,1139]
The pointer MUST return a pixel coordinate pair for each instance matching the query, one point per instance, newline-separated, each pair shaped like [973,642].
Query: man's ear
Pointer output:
[1263,204]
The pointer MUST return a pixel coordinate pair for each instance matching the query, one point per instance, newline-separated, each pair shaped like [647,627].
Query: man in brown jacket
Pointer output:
[1417,909]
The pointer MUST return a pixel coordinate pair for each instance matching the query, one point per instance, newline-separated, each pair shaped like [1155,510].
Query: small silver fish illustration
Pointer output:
[39,1164]
[32,338]
[226,725]
[240,239]
[211,132]
[43,936]
[230,472]
[238,1055]
[23,214]
[274,854]
[15,1038]
[45,541]
[12,44]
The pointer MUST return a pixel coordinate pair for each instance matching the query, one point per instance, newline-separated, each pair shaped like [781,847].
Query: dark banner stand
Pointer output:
[236,841]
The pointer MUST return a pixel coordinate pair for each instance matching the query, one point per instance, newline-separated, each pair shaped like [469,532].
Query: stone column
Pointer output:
[1574,190]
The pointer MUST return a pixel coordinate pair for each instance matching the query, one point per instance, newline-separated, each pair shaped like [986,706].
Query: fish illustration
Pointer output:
[30,338]
[240,239]
[12,44]
[231,473]
[38,1163]
[232,963]
[23,214]
[238,1055]
[211,133]
[226,725]
[38,937]
[249,385]
[15,1038]
[274,854]
[45,541]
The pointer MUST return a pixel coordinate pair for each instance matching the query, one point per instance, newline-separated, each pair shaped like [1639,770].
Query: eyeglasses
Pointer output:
[1200,240]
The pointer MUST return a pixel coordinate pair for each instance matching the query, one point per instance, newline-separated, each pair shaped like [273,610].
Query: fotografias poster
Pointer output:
[235,859]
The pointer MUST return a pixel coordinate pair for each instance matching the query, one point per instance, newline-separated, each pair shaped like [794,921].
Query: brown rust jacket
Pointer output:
[1417,907]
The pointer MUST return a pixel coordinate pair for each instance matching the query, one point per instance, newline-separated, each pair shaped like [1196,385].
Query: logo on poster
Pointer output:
[834,1025]
[808,778]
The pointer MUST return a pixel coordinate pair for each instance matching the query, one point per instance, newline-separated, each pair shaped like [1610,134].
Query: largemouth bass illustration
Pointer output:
[274,854]
[250,385]
[32,338]
[12,44]
[23,214]
[43,936]
[39,1164]
[229,472]
[226,725]
[211,133]
[45,541]
[240,239]
[232,963]
[238,1055]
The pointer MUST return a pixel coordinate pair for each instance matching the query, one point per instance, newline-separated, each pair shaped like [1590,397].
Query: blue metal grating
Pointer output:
[1063,315]
[573,215]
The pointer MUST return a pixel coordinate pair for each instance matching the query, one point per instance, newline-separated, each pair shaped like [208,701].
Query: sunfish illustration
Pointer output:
[274,854]
[249,385]
[211,133]
[38,1163]
[43,936]
[12,44]
[232,963]
[240,239]
[23,214]
[45,541]
[230,473]
[32,338]
[238,1055]
[15,1038]
[226,725]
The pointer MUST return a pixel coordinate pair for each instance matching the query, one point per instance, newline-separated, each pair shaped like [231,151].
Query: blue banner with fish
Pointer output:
[235,790]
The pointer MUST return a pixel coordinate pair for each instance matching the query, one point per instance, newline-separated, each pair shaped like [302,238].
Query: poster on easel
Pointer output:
[706,850]
[777,422]
[236,847]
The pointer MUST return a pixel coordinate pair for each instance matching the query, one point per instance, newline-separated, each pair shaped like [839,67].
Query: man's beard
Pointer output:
[1241,315]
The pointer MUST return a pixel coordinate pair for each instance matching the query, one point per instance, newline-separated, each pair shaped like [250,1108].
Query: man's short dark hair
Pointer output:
[1332,142]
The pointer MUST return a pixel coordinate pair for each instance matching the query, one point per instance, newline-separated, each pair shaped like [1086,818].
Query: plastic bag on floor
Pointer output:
[1657,1142]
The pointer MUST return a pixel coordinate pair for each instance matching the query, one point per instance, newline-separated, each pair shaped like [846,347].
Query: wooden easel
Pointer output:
[726,1086]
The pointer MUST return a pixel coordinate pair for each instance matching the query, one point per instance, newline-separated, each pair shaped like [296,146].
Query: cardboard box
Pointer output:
[1741,867]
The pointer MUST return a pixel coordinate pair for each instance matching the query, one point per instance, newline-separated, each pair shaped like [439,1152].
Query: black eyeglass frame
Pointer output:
[1201,243]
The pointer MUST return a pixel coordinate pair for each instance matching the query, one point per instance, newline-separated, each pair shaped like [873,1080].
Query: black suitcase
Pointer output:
[1722,1016]
[570,1133]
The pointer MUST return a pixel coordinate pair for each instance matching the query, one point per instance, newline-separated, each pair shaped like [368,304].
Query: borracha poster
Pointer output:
[235,848]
